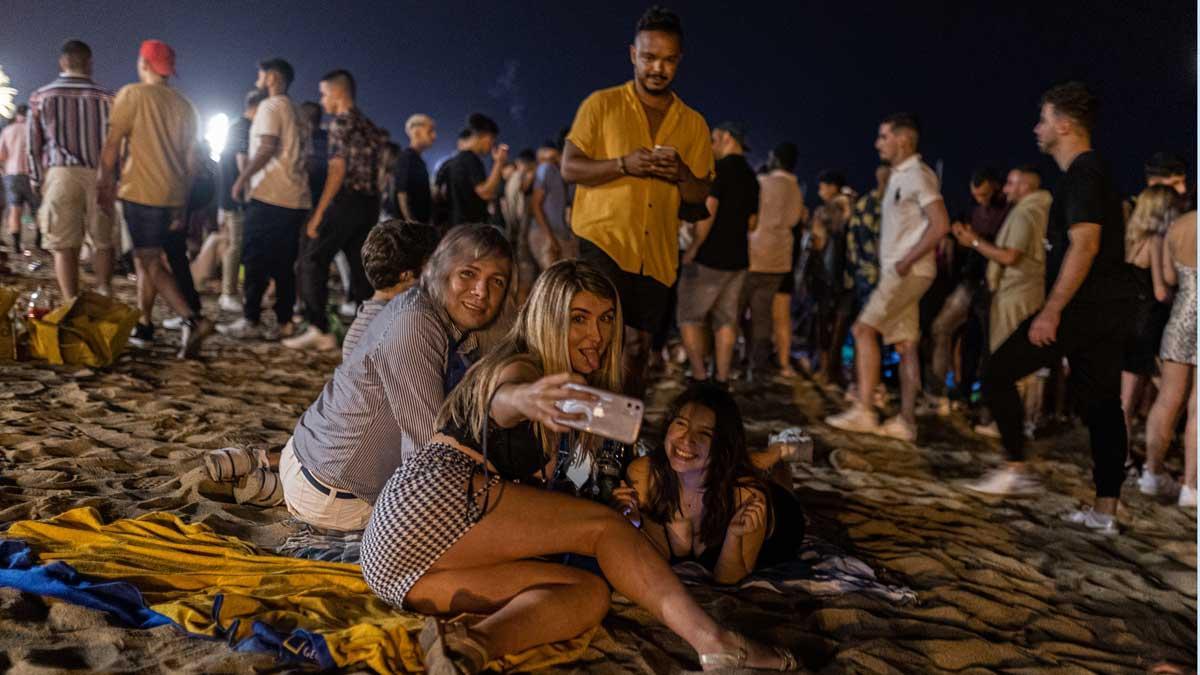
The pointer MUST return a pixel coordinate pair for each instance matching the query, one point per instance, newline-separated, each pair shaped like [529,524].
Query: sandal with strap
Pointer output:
[449,650]
[737,657]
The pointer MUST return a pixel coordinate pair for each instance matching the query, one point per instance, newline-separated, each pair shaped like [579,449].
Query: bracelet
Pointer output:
[621,166]
[975,244]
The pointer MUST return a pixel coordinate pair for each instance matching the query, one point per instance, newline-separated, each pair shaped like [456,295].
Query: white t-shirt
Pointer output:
[284,180]
[912,187]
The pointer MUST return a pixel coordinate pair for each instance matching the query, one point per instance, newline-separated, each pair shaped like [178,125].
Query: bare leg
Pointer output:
[528,603]
[527,522]
[781,319]
[866,362]
[910,380]
[102,269]
[1176,378]
[1131,387]
[724,342]
[638,344]
[695,343]
[1189,438]
[154,277]
[66,270]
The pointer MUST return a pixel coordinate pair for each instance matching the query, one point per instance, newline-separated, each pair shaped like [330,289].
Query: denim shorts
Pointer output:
[148,225]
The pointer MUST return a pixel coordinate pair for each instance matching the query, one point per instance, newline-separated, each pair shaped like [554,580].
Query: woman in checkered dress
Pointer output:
[452,534]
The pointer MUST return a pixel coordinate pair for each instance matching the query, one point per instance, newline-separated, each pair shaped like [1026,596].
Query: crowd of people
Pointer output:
[482,295]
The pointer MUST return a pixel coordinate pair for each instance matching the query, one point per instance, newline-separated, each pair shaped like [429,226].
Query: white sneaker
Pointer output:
[899,428]
[173,323]
[855,419]
[1102,523]
[988,430]
[1157,484]
[241,330]
[1006,482]
[229,303]
[1187,497]
[312,339]
[348,309]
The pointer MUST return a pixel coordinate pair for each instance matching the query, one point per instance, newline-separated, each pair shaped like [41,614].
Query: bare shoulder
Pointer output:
[746,492]
[519,370]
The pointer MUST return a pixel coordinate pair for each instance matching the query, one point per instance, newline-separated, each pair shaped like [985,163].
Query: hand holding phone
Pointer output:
[666,162]
[600,412]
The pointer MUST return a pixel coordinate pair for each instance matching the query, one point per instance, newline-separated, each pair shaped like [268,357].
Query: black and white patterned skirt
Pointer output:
[422,511]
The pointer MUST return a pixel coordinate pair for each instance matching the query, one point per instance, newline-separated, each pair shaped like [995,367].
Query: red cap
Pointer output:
[159,56]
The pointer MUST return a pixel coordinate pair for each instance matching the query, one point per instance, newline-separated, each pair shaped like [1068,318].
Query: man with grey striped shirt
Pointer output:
[380,404]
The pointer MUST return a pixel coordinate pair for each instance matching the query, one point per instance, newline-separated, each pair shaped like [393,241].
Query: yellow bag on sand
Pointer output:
[90,330]
[8,335]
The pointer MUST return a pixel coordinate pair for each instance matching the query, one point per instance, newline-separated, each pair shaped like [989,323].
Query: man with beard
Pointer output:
[1089,297]
[640,159]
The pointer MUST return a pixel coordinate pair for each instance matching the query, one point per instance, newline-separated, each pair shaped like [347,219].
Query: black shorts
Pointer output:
[148,225]
[18,191]
[644,299]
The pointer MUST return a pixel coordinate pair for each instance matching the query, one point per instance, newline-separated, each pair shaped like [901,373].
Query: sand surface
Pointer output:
[1002,586]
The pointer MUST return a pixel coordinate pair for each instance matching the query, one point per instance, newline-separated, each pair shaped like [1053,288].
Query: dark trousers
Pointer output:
[269,243]
[345,226]
[1092,340]
[174,246]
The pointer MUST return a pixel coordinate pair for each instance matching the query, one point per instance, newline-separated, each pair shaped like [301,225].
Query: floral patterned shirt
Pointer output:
[862,246]
[355,139]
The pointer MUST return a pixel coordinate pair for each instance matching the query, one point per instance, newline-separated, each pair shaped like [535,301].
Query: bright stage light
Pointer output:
[7,95]
[216,133]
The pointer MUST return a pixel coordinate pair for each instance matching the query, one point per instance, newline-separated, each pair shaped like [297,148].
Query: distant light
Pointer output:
[216,133]
[7,95]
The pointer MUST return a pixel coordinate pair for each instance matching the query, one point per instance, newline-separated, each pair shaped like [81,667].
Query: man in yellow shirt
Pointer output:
[640,158]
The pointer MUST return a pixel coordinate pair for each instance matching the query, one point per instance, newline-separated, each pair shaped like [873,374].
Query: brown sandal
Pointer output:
[449,650]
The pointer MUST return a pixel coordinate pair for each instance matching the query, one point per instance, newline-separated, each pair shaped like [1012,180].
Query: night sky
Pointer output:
[818,74]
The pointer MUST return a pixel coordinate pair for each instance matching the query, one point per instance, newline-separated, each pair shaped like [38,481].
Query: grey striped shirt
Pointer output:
[380,404]
[366,314]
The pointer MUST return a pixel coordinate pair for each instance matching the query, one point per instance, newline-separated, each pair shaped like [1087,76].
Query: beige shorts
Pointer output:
[894,307]
[69,211]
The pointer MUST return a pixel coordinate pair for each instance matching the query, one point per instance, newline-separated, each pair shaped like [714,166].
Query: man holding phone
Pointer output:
[640,157]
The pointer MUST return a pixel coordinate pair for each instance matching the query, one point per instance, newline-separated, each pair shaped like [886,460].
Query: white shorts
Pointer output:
[314,507]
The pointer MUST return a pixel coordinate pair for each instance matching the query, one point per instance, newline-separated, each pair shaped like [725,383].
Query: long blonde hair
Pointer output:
[1157,207]
[540,338]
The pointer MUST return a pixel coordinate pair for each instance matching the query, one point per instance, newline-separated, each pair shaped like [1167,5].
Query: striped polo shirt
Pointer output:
[379,407]
[68,120]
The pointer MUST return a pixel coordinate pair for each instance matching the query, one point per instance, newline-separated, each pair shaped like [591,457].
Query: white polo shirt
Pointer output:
[912,187]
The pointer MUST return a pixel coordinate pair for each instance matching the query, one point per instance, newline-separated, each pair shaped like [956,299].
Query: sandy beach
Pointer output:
[1001,586]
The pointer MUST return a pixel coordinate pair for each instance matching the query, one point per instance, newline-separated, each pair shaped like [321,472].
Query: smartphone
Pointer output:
[664,150]
[611,416]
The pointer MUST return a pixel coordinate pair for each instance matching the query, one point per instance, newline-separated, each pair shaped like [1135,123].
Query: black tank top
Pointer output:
[516,452]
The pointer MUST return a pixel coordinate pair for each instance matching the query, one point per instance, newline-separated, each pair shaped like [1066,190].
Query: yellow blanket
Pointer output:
[180,568]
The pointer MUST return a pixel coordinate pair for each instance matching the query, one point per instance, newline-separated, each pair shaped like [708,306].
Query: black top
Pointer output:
[412,178]
[780,546]
[986,220]
[239,141]
[463,172]
[516,452]
[1086,195]
[736,190]
[317,163]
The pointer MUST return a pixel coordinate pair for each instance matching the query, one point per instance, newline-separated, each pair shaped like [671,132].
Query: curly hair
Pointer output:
[395,247]
[1075,101]
[662,20]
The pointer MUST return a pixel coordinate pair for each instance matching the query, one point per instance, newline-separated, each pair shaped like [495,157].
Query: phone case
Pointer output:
[613,416]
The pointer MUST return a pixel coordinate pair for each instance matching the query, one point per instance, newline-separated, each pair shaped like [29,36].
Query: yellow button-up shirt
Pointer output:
[635,220]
